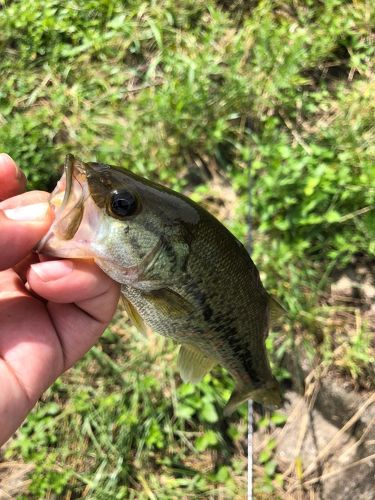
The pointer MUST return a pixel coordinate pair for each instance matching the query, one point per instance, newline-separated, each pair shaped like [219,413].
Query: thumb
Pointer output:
[20,230]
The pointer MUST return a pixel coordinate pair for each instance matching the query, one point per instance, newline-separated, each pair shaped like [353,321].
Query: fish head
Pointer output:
[132,228]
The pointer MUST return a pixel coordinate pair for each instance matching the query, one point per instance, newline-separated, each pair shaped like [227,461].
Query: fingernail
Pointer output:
[5,158]
[36,211]
[53,270]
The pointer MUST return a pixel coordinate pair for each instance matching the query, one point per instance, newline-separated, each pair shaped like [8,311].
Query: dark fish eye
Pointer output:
[123,203]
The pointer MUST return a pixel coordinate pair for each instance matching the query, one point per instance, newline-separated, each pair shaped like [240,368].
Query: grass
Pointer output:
[121,410]
[191,93]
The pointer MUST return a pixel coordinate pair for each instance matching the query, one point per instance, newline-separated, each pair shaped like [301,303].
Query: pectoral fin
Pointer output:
[193,364]
[169,303]
[135,318]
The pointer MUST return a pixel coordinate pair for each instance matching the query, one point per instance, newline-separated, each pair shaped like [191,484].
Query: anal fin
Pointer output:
[193,364]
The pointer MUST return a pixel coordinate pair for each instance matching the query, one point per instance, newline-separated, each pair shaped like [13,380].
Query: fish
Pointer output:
[182,273]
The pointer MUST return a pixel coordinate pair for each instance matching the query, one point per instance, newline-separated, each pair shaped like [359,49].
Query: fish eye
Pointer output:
[123,203]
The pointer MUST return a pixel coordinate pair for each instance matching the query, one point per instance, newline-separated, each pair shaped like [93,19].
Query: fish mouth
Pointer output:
[68,172]
[79,202]
[69,202]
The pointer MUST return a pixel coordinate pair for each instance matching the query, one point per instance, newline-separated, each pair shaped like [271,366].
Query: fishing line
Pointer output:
[250,409]
[250,417]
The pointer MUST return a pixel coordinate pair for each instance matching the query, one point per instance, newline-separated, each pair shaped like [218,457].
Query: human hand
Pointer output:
[51,311]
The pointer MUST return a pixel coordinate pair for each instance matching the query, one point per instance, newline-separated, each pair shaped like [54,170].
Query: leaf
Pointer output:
[185,412]
[208,413]
[332,216]
[270,467]
[279,418]
[208,439]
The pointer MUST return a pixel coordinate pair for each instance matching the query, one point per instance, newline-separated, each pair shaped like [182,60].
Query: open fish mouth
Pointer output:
[68,202]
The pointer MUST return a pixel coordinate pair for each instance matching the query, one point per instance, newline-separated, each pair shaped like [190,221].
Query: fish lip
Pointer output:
[75,171]
[71,167]
[68,170]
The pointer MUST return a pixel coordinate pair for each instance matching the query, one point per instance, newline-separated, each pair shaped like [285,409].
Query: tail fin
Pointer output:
[270,395]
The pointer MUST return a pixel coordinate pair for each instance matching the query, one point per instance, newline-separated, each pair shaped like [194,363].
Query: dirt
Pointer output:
[326,450]
[326,455]
[355,285]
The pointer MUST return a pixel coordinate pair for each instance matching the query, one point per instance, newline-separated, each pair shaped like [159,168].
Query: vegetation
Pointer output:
[193,93]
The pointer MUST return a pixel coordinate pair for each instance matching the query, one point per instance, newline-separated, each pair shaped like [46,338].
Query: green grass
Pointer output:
[187,92]
[119,425]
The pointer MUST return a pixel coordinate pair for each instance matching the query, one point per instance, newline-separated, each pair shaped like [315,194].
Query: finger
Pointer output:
[12,179]
[38,342]
[30,352]
[20,230]
[22,267]
[29,198]
[81,282]
[28,343]
[66,281]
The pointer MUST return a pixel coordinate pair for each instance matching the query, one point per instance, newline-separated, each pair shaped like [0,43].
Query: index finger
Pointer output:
[12,179]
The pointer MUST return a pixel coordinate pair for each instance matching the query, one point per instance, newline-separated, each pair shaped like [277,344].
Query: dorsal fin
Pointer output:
[193,364]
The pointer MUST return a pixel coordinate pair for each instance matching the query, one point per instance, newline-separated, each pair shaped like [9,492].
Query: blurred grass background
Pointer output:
[191,93]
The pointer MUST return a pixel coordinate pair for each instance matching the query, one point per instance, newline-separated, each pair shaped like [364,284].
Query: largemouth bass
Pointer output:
[182,273]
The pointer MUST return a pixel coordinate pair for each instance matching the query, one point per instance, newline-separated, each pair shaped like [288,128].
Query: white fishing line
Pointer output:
[250,410]
[250,418]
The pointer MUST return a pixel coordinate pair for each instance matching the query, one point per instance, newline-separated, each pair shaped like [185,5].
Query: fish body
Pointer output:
[182,273]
